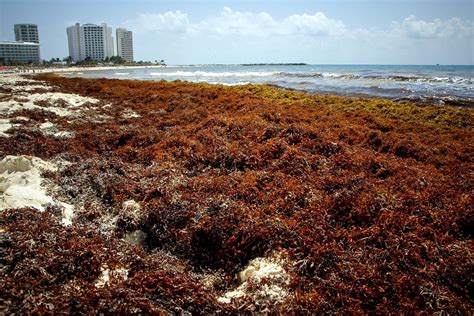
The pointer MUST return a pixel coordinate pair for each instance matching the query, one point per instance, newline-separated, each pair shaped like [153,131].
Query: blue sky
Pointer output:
[217,31]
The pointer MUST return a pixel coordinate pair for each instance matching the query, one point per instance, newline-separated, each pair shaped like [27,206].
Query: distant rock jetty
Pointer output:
[274,64]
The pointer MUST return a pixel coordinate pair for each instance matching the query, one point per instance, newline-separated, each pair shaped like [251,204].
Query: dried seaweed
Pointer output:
[371,200]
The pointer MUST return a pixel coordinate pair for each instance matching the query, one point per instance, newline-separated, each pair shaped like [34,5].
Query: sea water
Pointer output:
[437,83]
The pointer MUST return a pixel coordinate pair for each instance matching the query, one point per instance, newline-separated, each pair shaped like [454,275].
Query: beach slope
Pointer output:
[155,197]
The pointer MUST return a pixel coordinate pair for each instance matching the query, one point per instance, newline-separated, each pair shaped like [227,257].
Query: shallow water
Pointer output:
[433,83]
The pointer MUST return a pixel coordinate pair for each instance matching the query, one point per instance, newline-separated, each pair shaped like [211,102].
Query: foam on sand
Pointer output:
[21,186]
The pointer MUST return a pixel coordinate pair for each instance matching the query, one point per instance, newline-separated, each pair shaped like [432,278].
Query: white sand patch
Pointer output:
[63,134]
[20,182]
[14,79]
[20,185]
[62,104]
[264,281]
[67,213]
[22,118]
[120,274]
[17,83]
[30,87]
[132,210]
[129,113]
[72,100]
[26,101]
[5,125]
[21,96]
[47,126]
[50,129]
[131,206]
[136,237]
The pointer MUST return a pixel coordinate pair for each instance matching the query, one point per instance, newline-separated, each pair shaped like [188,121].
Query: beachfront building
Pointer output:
[76,50]
[90,41]
[19,52]
[26,33]
[124,44]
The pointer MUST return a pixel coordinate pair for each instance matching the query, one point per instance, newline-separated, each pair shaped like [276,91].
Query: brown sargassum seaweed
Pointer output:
[370,199]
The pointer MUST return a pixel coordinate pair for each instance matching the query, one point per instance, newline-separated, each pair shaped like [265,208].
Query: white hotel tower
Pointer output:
[125,44]
[90,40]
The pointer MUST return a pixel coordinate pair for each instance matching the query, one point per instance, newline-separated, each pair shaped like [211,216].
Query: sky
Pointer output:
[252,31]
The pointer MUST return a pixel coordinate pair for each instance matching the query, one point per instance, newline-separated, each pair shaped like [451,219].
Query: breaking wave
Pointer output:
[215,74]
[426,79]
[453,85]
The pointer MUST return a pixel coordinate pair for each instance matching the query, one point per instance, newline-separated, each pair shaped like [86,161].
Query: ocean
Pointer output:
[438,84]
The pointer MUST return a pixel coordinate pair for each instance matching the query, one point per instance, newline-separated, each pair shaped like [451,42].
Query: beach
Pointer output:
[72,69]
[130,196]
[424,84]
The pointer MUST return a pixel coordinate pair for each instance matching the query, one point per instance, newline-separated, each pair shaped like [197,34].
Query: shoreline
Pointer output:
[408,90]
[156,197]
[421,100]
[34,70]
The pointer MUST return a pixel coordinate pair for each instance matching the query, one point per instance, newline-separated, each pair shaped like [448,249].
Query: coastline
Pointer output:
[35,70]
[427,85]
[172,190]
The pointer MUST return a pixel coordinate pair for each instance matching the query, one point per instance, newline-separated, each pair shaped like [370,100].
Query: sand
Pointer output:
[25,96]
[51,129]
[25,101]
[234,200]
[22,185]
[264,280]
[5,125]
[80,69]
[118,275]
[21,181]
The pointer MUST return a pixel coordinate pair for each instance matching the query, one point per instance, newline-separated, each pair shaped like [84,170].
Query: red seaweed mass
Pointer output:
[368,201]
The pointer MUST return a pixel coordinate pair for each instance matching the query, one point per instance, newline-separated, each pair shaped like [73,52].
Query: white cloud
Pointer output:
[239,23]
[262,24]
[230,22]
[241,36]
[160,22]
[314,25]
[415,28]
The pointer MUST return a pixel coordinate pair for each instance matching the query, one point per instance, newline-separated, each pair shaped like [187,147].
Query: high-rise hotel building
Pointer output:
[19,52]
[90,40]
[124,44]
[26,33]
[26,49]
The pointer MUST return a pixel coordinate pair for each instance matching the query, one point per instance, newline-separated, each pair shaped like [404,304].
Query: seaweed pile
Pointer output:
[204,198]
